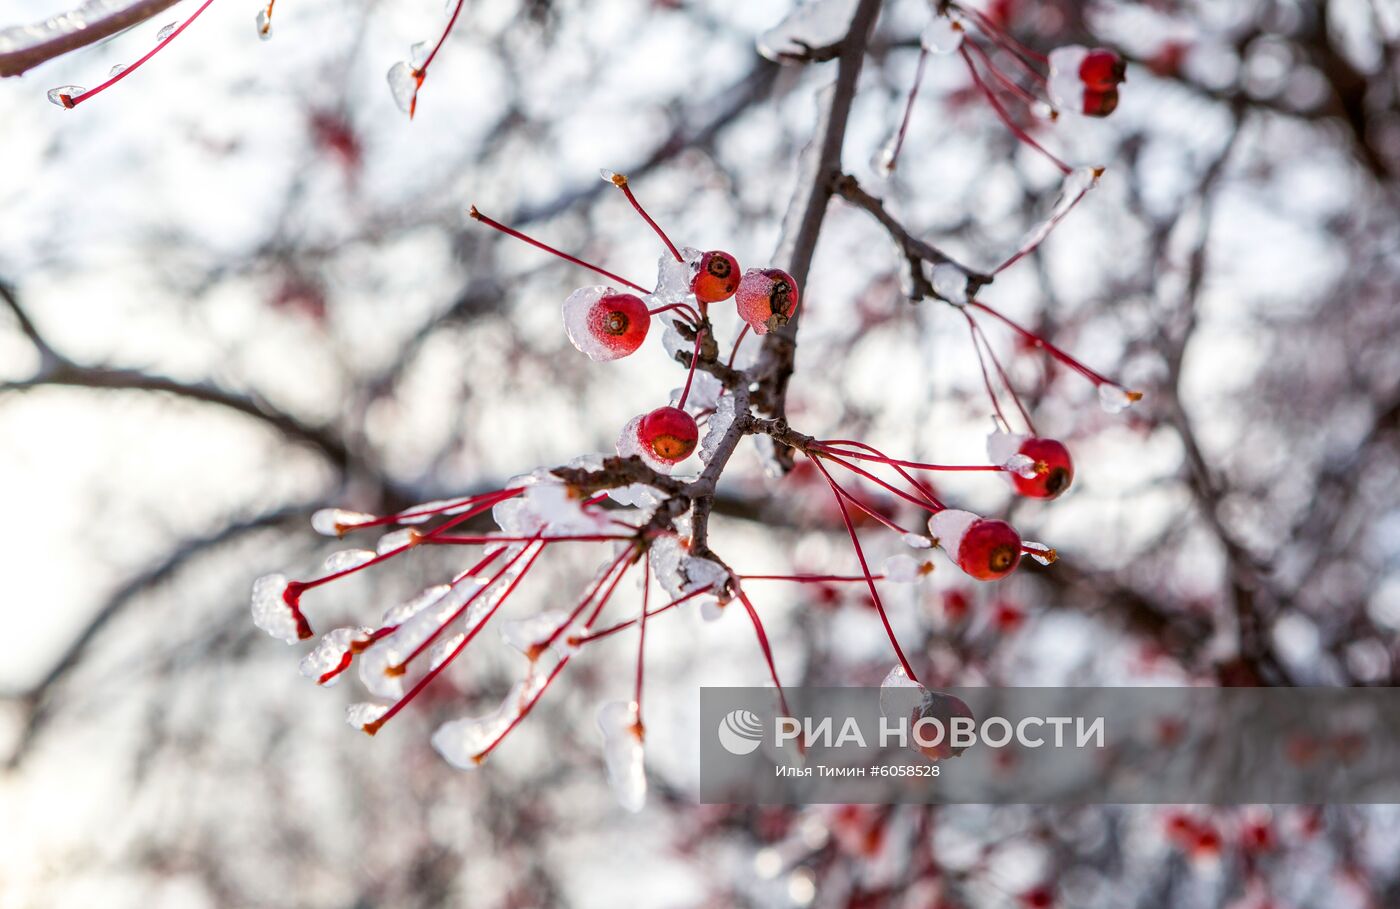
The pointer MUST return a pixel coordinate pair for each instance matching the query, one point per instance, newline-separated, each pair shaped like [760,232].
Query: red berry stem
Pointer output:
[694,359]
[554,674]
[617,565]
[908,108]
[484,540]
[642,644]
[1016,131]
[684,309]
[427,61]
[1037,341]
[434,671]
[765,647]
[510,231]
[71,102]
[495,496]
[874,479]
[734,351]
[809,578]
[979,340]
[1003,38]
[908,478]
[620,181]
[1009,83]
[622,626]
[1055,220]
[917,465]
[865,570]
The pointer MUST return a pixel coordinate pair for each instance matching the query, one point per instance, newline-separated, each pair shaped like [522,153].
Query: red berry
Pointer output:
[1100,103]
[619,322]
[766,299]
[717,278]
[669,433]
[990,549]
[1102,70]
[1054,469]
[1039,898]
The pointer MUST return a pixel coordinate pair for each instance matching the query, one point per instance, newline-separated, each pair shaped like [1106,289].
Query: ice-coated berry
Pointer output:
[766,299]
[1054,470]
[604,323]
[669,433]
[717,277]
[990,549]
[1101,70]
[1099,103]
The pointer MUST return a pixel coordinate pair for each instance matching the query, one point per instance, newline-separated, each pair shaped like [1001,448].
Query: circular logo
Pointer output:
[740,732]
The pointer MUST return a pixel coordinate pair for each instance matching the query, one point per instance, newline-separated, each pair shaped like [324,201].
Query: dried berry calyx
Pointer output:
[766,299]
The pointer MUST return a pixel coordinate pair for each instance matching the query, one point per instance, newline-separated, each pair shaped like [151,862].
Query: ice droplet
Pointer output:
[362,714]
[461,742]
[950,283]
[917,541]
[623,753]
[346,559]
[942,35]
[418,54]
[526,634]
[116,71]
[64,95]
[166,31]
[609,176]
[1021,465]
[899,693]
[673,278]
[264,25]
[904,569]
[1115,399]
[1002,445]
[270,610]
[884,161]
[329,656]
[1040,552]
[397,539]
[403,85]
[948,527]
[333,522]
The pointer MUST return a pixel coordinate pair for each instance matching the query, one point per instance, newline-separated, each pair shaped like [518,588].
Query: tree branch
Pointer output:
[75,29]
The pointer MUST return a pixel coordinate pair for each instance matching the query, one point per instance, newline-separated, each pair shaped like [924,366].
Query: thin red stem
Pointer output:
[917,465]
[484,540]
[622,626]
[587,598]
[694,359]
[734,351]
[510,231]
[79,99]
[982,364]
[809,578]
[1054,222]
[620,182]
[452,20]
[683,308]
[865,569]
[642,640]
[1009,83]
[908,478]
[402,516]
[1037,341]
[874,479]
[1004,38]
[765,647]
[1001,372]
[1006,117]
[908,108]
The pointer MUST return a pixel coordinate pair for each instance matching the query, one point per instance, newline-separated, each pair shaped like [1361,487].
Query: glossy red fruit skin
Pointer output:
[718,277]
[1054,479]
[669,433]
[1100,103]
[990,549]
[1102,70]
[766,298]
[620,322]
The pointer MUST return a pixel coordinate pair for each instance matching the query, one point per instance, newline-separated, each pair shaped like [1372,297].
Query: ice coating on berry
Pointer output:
[942,35]
[271,611]
[324,664]
[948,527]
[604,323]
[1065,87]
[1052,470]
[716,277]
[816,23]
[989,549]
[63,95]
[674,278]
[669,433]
[766,299]
[950,283]
[904,569]
[622,753]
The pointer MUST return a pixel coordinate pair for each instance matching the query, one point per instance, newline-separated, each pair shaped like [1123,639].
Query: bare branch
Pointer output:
[77,28]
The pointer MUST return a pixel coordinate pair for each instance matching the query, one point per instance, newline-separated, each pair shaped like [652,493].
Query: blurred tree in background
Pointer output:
[241,285]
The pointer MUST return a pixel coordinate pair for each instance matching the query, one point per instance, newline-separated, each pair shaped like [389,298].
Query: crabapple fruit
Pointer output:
[1054,470]
[717,277]
[669,433]
[766,298]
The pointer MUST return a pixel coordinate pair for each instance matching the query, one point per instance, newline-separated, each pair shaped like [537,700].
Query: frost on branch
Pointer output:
[679,573]
[720,422]
[814,24]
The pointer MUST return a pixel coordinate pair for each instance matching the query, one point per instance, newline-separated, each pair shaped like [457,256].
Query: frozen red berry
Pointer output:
[604,323]
[766,299]
[985,548]
[669,434]
[1099,103]
[1101,70]
[1053,469]
[716,277]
